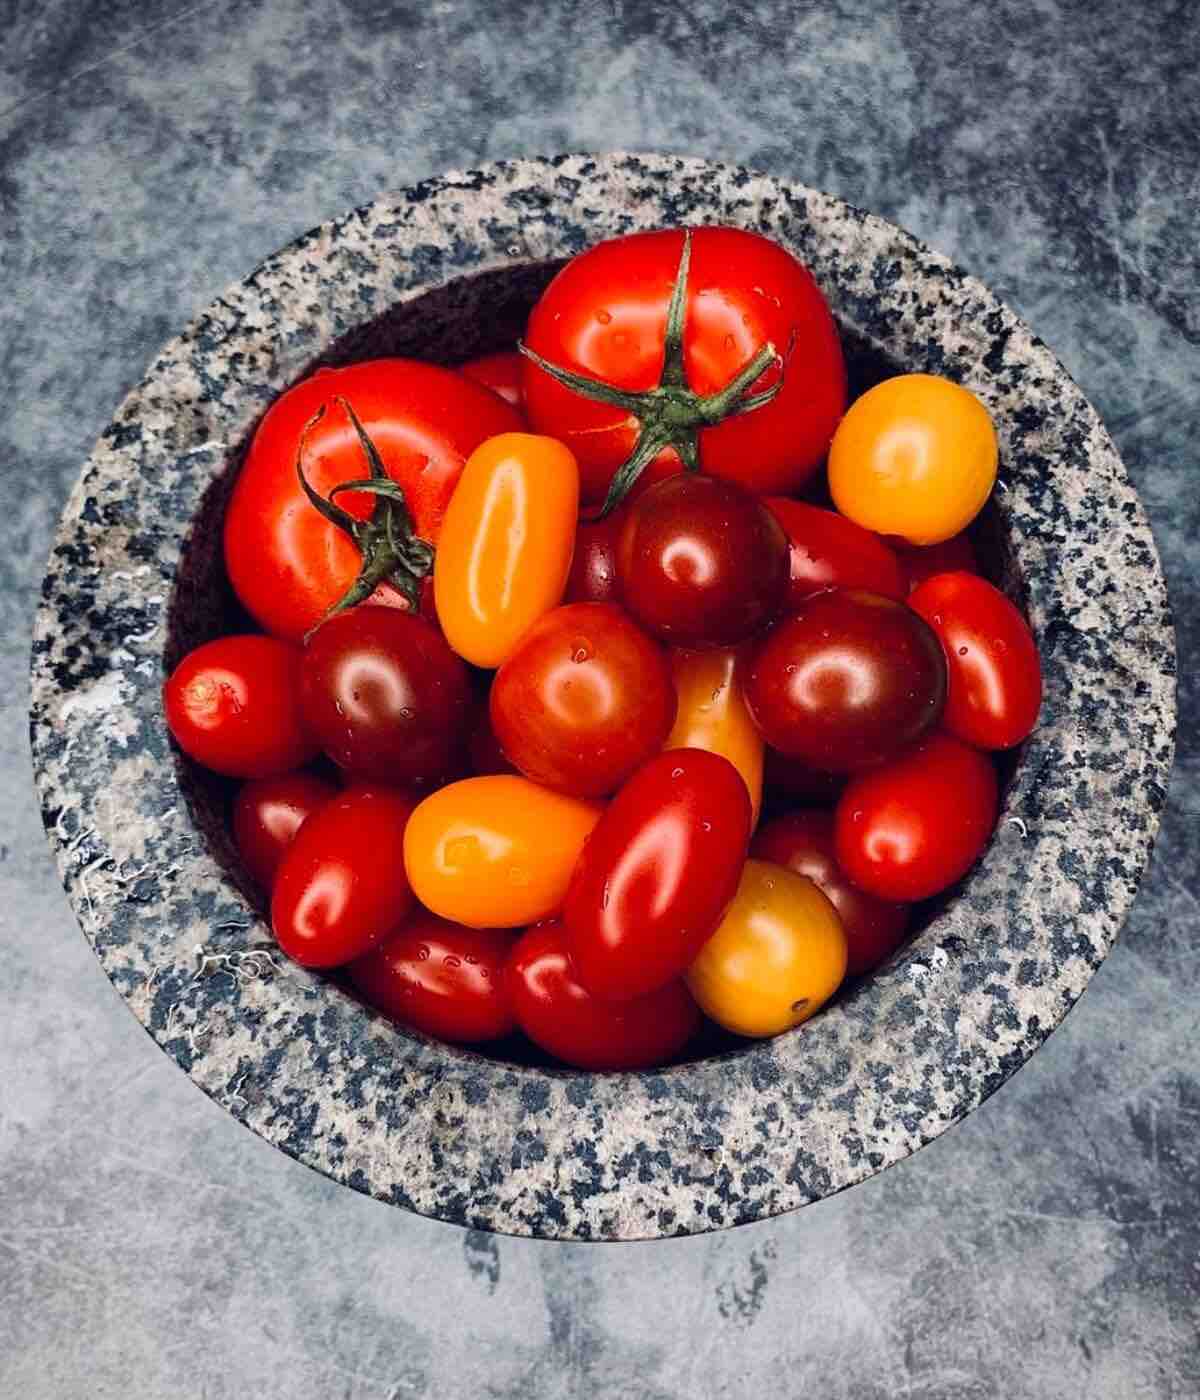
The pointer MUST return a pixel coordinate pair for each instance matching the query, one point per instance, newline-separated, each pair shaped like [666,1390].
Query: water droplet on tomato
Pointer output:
[406,713]
[472,960]
[581,651]
[999,645]
[706,826]
[676,772]
[422,952]
[451,961]
[962,651]
[604,317]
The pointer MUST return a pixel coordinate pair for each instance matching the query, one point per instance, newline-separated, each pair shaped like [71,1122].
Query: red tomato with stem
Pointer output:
[803,841]
[828,551]
[440,978]
[233,705]
[914,827]
[557,1013]
[995,674]
[502,373]
[267,813]
[341,887]
[657,873]
[920,562]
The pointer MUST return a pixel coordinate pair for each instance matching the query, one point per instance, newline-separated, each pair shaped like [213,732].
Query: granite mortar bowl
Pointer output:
[446,270]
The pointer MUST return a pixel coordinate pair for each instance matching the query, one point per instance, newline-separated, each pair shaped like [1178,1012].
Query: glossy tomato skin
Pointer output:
[585,697]
[847,681]
[803,841]
[267,813]
[385,695]
[712,712]
[919,562]
[500,372]
[287,563]
[995,675]
[566,1021]
[701,562]
[506,544]
[914,827]
[233,705]
[825,550]
[657,873]
[593,576]
[440,978]
[341,887]
[605,314]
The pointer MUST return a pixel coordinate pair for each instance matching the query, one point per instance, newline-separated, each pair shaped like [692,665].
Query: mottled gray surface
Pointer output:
[150,1247]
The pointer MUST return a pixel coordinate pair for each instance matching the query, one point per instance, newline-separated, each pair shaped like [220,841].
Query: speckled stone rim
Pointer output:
[558,1154]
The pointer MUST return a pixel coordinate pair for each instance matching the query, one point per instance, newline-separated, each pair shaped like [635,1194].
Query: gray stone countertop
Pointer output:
[149,1246]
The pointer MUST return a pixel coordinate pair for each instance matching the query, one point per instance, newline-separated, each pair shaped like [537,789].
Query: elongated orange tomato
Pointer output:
[495,852]
[712,713]
[505,548]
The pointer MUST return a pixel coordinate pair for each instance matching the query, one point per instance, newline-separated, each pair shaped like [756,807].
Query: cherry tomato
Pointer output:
[440,978]
[605,317]
[826,550]
[385,695]
[916,456]
[849,680]
[783,773]
[593,576]
[496,852]
[995,676]
[288,564]
[583,699]
[267,813]
[555,1011]
[233,705]
[506,544]
[712,714]
[502,373]
[921,562]
[701,562]
[341,887]
[803,842]
[657,873]
[915,826]
[777,957]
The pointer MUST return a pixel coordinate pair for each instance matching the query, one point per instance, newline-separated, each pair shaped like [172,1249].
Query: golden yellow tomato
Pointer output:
[915,456]
[495,852]
[712,713]
[777,956]
[506,542]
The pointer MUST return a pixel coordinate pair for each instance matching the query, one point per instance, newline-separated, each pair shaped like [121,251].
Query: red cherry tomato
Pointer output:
[995,675]
[440,978]
[848,681]
[341,887]
[583,700]
[234,705]
[803,841]
[828,551]
[701,562]
[922,562]
[555,1011]
[385,695]
[657,873]
[593,576]
[501,373]
[267,813]
[914,827]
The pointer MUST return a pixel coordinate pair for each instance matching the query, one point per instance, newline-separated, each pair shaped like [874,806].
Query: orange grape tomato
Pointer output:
[915,456]
[506,544]
[712,713]
[496,851]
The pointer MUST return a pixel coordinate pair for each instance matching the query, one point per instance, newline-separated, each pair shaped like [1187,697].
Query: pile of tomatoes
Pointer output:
[543,635]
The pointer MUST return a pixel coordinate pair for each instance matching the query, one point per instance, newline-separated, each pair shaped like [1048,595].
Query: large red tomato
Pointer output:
[287,562]
[639,388]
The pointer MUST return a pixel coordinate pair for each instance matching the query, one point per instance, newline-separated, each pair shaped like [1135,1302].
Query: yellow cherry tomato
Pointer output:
[777,956]
[712,713]
[916,457]
[505,547]
[495,852]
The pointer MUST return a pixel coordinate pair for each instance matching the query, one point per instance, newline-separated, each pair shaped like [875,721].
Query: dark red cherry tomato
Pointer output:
[848,681]
[593,576]
[657,873]
[234,705]
[583,700]
[501,373]
[803,841]
[267,813]
[555,1011]
[341,887]
[440,978]
[915,826]
[784,774]
[995,675]
[702,562]
[385,695]
[829,551]
[920,562]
